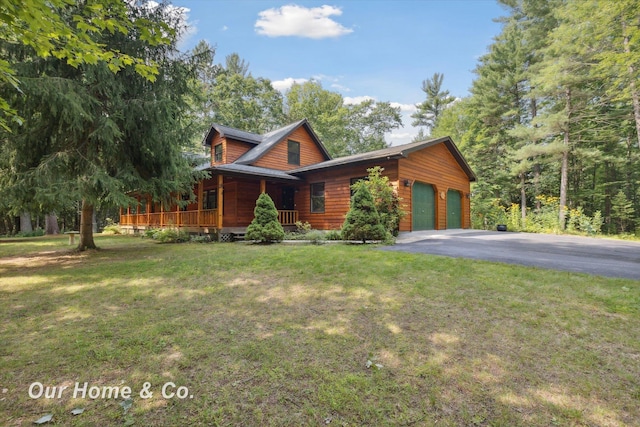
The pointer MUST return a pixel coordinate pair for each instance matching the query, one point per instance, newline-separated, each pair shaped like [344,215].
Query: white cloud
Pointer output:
[224,28]
[340,87]
[357,99]
[284,85]
[294,20]
[321,77]
[404,107]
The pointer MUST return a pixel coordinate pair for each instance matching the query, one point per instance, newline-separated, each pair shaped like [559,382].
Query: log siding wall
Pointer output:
[436,166]
[277,157]
[337,192]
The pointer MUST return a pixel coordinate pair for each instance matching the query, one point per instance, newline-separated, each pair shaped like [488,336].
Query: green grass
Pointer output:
[281,335]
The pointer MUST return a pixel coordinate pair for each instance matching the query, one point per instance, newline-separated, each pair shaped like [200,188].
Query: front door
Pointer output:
[288,203]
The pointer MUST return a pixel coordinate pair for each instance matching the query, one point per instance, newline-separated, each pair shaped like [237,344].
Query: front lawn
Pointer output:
[309,335]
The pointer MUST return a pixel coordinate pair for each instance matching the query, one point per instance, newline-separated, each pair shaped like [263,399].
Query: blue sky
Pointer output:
[377,49]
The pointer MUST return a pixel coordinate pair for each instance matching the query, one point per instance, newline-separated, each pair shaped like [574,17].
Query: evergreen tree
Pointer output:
[93,135]
[437,100]
[236,65]
[67,31]
[385,198]
[265,227]
[622,211]
[201,103]
[363,221]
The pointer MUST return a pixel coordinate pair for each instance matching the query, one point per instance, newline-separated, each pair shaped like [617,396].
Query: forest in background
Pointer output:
[552,125]
[551,128]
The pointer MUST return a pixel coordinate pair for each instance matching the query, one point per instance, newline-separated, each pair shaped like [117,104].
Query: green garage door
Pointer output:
[424,207]
[454,209]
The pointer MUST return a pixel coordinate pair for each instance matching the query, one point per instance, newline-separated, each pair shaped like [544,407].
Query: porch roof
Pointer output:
[235,169]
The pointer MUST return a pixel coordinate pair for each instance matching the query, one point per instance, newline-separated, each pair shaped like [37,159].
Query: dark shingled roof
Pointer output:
[395,152]
[269,140]
[244,170]
[232,133]
[264,143]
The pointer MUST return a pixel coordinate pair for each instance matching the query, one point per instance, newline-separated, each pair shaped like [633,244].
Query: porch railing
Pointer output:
[177,219]
[288,217]
[207,218]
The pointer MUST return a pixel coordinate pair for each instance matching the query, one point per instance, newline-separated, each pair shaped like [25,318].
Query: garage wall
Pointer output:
[434,165]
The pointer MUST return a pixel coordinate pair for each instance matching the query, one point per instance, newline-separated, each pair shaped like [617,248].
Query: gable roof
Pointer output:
[271,139]
[395,152]
[226,131]
[263,143]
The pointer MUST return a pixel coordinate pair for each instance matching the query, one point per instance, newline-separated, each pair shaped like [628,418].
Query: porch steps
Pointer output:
[232,234]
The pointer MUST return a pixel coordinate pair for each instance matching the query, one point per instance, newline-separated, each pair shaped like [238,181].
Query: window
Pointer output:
[217,153]
[293,153]
[209,199]
[317,197]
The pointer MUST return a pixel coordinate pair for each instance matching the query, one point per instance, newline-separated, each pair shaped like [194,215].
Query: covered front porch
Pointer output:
[224,203]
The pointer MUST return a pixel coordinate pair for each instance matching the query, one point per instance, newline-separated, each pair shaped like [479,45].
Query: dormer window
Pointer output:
[293,153]
[217,153]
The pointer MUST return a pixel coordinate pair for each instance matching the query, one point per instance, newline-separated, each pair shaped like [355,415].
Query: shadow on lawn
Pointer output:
[260,337]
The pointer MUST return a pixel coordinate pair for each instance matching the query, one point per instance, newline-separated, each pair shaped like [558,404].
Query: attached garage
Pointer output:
[424,207]
[454,209]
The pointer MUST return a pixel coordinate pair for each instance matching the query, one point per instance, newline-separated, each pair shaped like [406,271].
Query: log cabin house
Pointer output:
[292,165]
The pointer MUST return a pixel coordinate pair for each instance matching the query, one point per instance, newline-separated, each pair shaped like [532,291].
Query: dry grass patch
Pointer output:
[310,335]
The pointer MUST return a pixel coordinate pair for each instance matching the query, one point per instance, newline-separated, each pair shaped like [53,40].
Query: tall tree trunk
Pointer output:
[536,185]
[523,200]
[536,166]
[564,168]
[25,223]
[86,227]
[51,224]
[635,98]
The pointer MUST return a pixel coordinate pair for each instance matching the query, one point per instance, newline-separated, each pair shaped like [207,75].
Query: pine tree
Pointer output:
[622,211]
[95,136]
[265,227]
[437,100]
[363,221]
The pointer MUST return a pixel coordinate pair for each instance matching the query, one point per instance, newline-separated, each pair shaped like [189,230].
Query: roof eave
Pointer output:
[244,174]
[214,128]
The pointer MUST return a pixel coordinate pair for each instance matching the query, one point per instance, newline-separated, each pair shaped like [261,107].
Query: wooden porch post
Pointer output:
[263,186]
[148,210]
[220,201]
[200,193]
[178,221]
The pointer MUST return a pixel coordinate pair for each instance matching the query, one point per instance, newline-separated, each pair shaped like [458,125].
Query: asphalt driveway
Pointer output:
[602,257]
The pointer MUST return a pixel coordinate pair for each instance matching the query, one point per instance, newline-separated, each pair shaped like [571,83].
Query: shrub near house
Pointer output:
[265,227]
[363,221]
